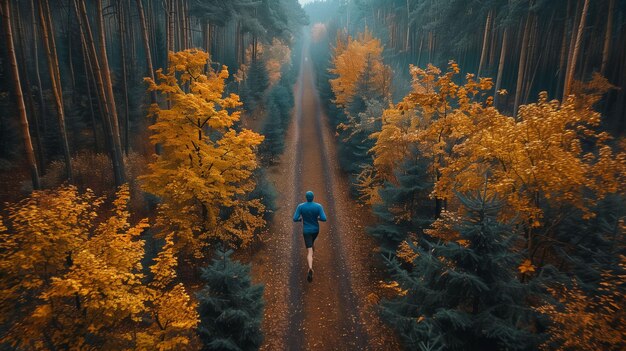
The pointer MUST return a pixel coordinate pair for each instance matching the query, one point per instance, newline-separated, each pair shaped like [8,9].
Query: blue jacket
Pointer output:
[310,212]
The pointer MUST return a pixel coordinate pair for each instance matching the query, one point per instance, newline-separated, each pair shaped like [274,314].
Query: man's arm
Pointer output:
[297,216]
[322,216]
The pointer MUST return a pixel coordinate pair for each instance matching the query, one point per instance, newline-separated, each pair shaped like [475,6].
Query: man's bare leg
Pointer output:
[309,257]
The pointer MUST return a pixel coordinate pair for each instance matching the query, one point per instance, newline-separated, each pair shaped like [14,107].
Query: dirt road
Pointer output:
[331,313]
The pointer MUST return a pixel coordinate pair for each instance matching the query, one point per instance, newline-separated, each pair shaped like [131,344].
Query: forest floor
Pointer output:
[337,310]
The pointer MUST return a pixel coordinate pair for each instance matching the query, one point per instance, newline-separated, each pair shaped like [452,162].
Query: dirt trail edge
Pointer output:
[332,312]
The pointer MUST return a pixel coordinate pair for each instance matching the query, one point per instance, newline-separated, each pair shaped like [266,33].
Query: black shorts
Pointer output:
[309,239]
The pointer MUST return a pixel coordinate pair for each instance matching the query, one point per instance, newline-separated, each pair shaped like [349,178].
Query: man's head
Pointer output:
[309,196]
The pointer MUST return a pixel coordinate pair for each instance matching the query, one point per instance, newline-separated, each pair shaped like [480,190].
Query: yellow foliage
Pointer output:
[526,267]
[537,155]
[67,273]
[203,173]
[406,253]
[426,120]
[583,322]
[394,287]
[63,276]
[444,227]
[171,308]
[351,59]
[275,57]
[318,32]
[368,186]
[43,229]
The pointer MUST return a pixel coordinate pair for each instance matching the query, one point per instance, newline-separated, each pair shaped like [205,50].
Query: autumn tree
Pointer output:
[69,281]
[358,60]
[584,321]
[203,175]
[539,159]
[426,121]
[551,167]
[170,307]
[274,56]
[361,88]
[72,277]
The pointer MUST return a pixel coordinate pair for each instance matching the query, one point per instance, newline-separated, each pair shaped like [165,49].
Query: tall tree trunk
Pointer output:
[572,42]
[408,27]
[607,38]
[170,26]
[419,52]
[122,34]
[146,47]
[496,97]
[188,32]
[430,47]
[110,116]
[483,54]
[560,74]
[130,38]
[41,101]
[106,75]
[30,104]
[94,126]
[19,97]
[180,26]
[55,80]
[493,46]
[70,57]
[529,72]
[522,65]
[571,69]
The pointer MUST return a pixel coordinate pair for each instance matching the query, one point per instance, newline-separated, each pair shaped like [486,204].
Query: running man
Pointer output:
[309,213]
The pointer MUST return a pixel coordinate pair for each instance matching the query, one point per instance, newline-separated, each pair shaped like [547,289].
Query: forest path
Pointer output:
[331,313]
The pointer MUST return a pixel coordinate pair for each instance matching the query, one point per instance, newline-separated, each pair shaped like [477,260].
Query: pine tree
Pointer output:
[256,83]
[589,247]
[265,192]
[273,130]
[230,306]
[355,133]
[278,104]
[404,207]
[282,95]
[464,293]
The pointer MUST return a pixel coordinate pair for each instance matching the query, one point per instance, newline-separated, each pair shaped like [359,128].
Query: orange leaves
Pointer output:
[426,121]
[538,155]
[275,56]
[66,272]
[44,227]
[444,228]
[587,322]
[206,164]
[318,32]
[394,287]
[170,306]
[407,252]
[353,59]
[526,267]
